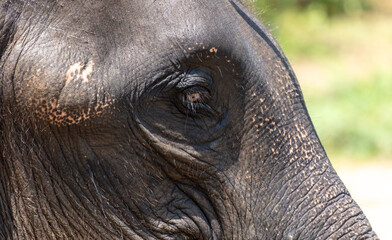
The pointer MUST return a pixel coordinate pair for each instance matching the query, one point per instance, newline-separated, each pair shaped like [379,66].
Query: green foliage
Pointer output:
[353,119]
[331,7]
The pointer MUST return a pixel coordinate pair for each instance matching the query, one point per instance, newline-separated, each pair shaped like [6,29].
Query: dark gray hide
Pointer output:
[169,119]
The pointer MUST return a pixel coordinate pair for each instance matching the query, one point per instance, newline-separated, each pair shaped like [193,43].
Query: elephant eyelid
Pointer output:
[195,78]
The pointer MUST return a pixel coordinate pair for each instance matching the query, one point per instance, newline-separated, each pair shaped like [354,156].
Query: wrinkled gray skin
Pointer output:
[169,119]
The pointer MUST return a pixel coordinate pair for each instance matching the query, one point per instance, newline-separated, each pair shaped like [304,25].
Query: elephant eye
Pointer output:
[194,93]
[195,99]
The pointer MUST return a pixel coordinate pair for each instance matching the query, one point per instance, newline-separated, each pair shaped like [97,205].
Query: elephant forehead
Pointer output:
[79,59]
[67,55]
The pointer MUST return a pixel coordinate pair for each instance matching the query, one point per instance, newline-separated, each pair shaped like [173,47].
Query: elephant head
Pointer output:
[144,119]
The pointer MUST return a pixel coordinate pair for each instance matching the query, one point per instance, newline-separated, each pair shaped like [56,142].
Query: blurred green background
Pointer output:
[341,52]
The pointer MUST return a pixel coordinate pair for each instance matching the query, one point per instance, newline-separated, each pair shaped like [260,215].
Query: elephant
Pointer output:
[171,119]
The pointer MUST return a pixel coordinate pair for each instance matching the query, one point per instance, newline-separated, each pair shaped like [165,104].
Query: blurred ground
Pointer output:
[370,186]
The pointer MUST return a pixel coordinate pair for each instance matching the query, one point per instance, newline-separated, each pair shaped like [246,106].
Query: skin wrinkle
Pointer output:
[171,220]
[126,204]
[257,193]
[46,219]
[200,228]
[26,226]
[279,202]
[192,224]
[232,204]
[111,187]
[301,202]
[333,212]
[343,224]
[69,205]
[237,212]
[72,221]
[47,187]
[4,208]
[228,209]
[63,221]
[42,218]
[251,206]
[24,46]
[156,141]
[315,207]
[306,178]
[97,191]
[7,32]
[91,175]
[335,231]
[63,153]
[85,183]
[342,195]
[346,233]
[309,162]
[248,203]
[206,206]
[16,197]
[161,225]
[11,199]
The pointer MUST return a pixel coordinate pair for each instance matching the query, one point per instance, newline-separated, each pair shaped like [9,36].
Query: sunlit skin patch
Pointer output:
[49,111]
[62,109]
[79,72]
